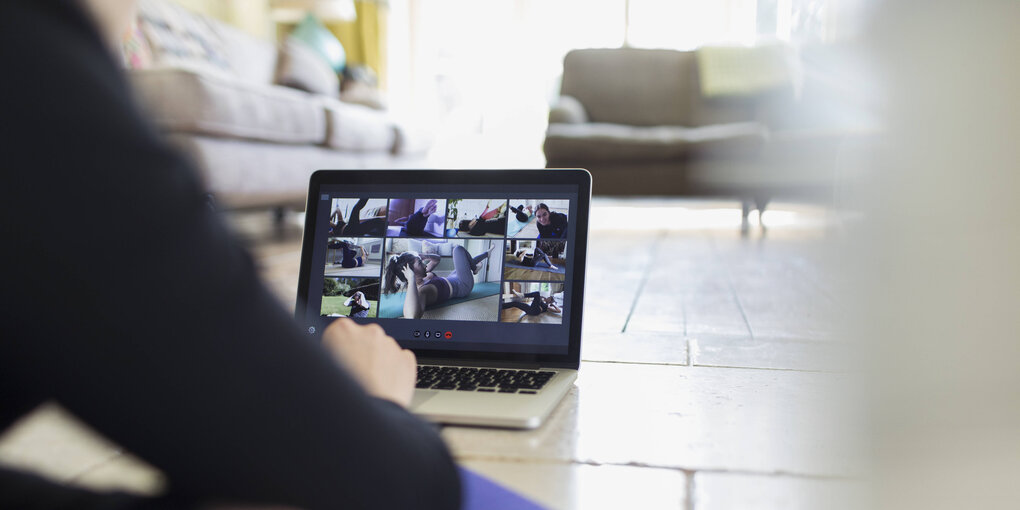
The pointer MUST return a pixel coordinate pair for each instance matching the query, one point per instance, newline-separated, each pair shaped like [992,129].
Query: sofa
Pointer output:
[256,118]
[640,121]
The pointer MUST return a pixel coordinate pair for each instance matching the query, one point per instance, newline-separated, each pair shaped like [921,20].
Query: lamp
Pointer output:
[293,11]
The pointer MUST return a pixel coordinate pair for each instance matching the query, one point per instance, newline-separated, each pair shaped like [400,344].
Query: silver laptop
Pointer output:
[479,272]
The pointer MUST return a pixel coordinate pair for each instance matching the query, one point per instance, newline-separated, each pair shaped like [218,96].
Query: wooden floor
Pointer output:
[711,376]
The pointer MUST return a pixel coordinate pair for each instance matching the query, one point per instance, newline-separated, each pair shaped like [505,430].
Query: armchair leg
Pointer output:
[279,223]
[745,210]
[760,203]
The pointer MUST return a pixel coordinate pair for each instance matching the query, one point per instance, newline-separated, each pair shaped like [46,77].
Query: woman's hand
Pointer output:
[374,359]
[408,274]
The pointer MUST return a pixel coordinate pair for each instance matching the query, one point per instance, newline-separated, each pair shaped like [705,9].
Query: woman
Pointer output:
[359,305]
[533,258]
[551,225]
[424,289]
[480,227]
[417,224]
[350,255]
[489,222]
[522,216]
[538,306]
[357,443]
[356,227]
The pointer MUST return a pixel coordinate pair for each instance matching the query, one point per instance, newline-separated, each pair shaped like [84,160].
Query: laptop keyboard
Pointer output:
[489,380]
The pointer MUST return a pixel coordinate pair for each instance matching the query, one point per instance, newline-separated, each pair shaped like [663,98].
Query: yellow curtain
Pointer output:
[364,39]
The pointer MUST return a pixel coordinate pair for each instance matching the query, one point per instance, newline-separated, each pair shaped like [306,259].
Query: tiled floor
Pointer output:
[711,374]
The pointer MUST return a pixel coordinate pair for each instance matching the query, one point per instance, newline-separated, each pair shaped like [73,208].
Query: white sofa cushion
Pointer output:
[251,59]
[184,100]
[358,128]
[617,142]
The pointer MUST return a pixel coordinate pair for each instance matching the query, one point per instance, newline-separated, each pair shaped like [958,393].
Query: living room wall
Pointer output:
[252,16]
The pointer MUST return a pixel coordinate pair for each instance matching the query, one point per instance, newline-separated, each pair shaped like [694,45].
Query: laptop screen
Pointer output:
[446,267]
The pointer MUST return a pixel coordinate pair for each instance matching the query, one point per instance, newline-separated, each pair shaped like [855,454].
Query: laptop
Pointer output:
[479,272]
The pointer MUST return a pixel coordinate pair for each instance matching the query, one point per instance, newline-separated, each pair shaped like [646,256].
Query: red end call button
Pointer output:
[449,334]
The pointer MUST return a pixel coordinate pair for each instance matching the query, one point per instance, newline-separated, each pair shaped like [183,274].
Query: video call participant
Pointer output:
[416,224]
[424,289]
[551,225]
[489,222]
[350,257]
[520,213]
[359,305]
[538,306]
[480,227]
[534,257]
[222,392]
[356,227]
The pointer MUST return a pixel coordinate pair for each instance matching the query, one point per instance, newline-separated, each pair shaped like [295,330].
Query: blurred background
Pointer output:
[743,99]
[791,176]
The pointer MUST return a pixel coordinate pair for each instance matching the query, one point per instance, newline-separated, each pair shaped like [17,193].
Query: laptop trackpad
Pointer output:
[420,397]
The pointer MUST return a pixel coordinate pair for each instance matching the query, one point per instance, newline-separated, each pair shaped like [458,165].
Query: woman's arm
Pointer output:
[281,421]
[432,262]
[349,301]
[414,305]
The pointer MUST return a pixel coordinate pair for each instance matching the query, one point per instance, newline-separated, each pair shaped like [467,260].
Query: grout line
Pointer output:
[733,291]
[689,493]
[652,363]
[808,370]
[644,277]
[690,353]
[699,365]
[686,470]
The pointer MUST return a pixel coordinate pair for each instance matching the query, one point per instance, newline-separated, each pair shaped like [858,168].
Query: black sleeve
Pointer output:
[560,220]
[128,302]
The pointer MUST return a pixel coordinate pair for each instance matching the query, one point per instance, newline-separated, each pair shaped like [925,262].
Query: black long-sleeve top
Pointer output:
[126,300]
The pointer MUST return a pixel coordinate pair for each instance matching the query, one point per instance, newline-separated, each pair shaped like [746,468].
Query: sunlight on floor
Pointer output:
[626,214]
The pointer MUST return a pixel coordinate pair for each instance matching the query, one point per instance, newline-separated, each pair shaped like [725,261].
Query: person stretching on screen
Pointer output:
[350,255]
[485,223]
[416,224]
[521,215]
[424,287]
[359,305]
[356,227]
[539,304]
[534,258]
[551,225]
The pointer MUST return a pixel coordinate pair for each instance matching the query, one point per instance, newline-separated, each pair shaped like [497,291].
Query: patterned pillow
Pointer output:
[181,38]
[134,48]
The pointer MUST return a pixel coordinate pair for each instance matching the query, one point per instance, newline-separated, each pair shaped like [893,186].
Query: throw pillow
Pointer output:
[313,33]
[134,49]
[302,68]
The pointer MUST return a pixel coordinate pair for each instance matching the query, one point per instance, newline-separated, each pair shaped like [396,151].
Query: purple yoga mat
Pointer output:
[479,492]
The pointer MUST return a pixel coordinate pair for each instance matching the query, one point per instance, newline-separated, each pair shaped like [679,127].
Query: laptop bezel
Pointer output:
[567,176]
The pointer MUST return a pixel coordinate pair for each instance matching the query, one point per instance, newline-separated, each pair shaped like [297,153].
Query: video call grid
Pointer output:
[505,239]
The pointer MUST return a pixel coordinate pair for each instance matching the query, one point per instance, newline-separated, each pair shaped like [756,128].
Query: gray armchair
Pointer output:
[637,120]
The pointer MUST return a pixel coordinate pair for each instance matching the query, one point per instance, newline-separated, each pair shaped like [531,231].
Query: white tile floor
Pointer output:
[711,378]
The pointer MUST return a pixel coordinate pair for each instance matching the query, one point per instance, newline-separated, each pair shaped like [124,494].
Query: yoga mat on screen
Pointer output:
[558,270]
[392,305]
[514,226]
[479,492]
